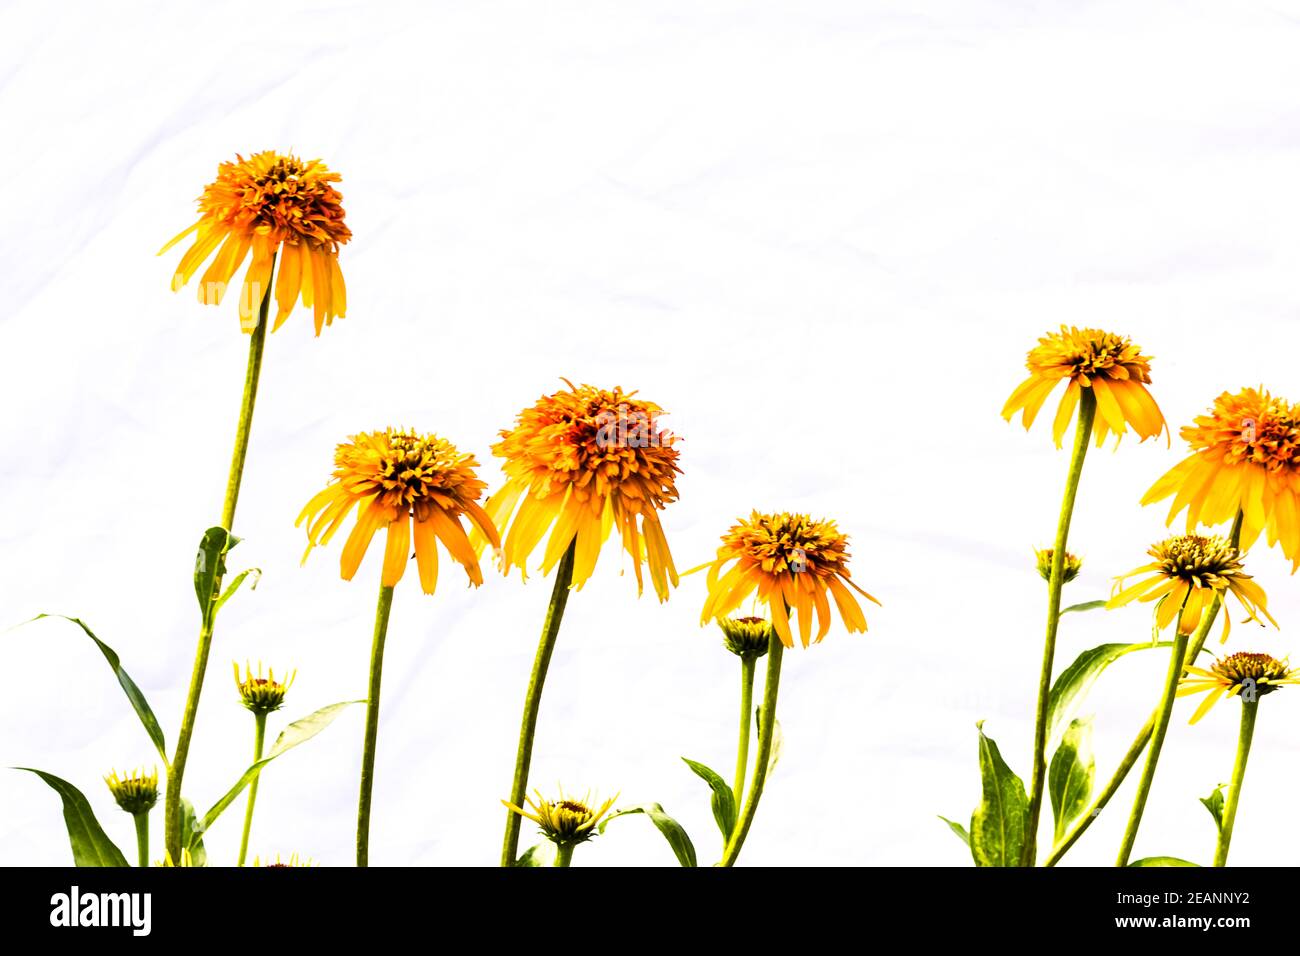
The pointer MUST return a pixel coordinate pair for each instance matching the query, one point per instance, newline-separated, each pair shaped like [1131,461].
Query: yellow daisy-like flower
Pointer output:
[792,562]
[1245,457]
[415,486]
[1043,561]
[270,203]
[261,695]
[1237,675]
[1188,573]
[134,792]
[578,464]
[294,860]
[1109,365]
[566,821]
[747,637]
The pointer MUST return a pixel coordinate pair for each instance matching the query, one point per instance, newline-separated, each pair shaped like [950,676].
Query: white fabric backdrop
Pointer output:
[821,235]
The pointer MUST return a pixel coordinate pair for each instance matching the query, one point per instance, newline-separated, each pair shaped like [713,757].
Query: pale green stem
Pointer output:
[259,739]
[748,663]
[142,837]
[767,721]
[1249,710]
[563,854]
[372,725]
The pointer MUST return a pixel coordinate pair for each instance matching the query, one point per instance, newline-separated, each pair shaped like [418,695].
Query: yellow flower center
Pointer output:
[1250,427]
[1088,353]
[785,542]
[1243,666]
[283,195]
[1204,561]
[408,472]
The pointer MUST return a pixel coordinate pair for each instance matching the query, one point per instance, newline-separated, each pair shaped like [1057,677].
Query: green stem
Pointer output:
[563,854]
[176,772]
[747,666]
[1082,435]
[259,738]
[372,725]
[1249,710]
[767,721]
[142,837]
[533,700]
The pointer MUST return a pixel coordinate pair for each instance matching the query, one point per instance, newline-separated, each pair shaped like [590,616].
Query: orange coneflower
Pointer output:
[1245,458]
[270,203]
[1109,365]
[1235,675]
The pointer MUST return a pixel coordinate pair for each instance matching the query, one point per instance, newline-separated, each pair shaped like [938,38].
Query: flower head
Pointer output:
[135,792]
[792,562]
[1188,574]
[294,860]
[1244,675]
[417,487]
[578,464]
[1109,366]
[746,637]
[187,859]
[1245,457]
[270,203]
[565,821]
[1070,569]
[261,695]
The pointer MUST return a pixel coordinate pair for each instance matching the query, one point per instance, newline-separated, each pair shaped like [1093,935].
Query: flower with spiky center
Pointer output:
[792,562]
[1188,573]
[135,792]
[747,637]
[261,695]
[565,821]
[1246,675]
[270,203]
[415,486]
[578,464]
[294,860]
[1111,366]
[1070,569]
[1245,457]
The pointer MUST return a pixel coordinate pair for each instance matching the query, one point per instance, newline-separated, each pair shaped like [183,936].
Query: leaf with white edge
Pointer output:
[778,739]
[722,801]
[999,823]
[1071,773]
[958,829]
[90,844]
[192,834]
[210,567]
[670,828]
[1162,861]
[1214,803]
[1075,681]
[254,573]
[1085,606]
[543,854]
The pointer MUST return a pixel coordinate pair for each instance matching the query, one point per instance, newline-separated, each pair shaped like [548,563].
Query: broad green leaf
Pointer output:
[90,844]
[958,829]
[778,739]
[1085,606]
[1162,861]
[997,827]
[229,592]
[300,731]
[543,854]
[210,567]
[1214,803]
[722,802]
[192,834]
[1074,682]
[1070,776]
[133,693]
[670,828]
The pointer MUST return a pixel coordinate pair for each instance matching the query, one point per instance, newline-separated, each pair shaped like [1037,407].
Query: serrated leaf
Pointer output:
[1085,606]
[670,828]
[229,592]
[958,829]
[90,844]
[543,854]
[1214,803]
[998,825]
[1070,775]
[722,801]
[210,567]
[1162,861]
[1075,681]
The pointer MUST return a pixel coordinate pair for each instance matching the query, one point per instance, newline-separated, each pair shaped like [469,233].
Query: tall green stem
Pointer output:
[142,837]
[747,667]
[1082,435]
[533,701]
[1249,710]
[176,772]
[767,721]
[259,739]
[372,725]
[563,854]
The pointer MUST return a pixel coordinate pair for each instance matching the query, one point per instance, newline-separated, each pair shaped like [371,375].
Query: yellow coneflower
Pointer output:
[565,821]
[1109,366]
[1235,675]
[134,792]
[294,860]
[578,464]
[1245,458]
[1043,562]
[261,695]
[415,486]
[1188,573]
[793,562]
[746,636]
[270,203]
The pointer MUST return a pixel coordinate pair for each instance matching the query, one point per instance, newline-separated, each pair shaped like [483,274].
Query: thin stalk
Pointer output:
[142,837]
[372,725]
[767,721]
[747,666]
[563,854]
[259,739]
[1249,710]
[533,700]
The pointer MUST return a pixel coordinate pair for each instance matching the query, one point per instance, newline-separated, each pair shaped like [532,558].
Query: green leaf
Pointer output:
[210,567]
[958,829]
[998,825]
[230,590]
[670,828]
[133,693]
[543,854]
[722,802]
[90,844]
[1214,803]
[1074,682]
[1070,776]
[300,731]
[1085,606]
[1162,861]
[778,739]
[192,834]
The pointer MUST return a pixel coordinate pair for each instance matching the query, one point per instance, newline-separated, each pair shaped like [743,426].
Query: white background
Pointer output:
[821,235]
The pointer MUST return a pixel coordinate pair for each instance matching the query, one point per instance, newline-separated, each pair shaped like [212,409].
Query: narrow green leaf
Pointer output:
[229,592]
[778,739]
[192,834]
[300,731]
[670,828]
[90,844]
[543,854]
[210,567]
[1214,803]
[998,825]
[958,829]
[1085,606]
[1162,861]
[1074,682]
[1070,775]
[722,802]
[133,693]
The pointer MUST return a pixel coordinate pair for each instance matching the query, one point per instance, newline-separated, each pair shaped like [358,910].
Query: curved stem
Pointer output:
[767,720]
[563,854]
[176,772]
[259,738]
[1249,710]
[533,700]
[142,837]
[747,666]
[1082,435]
[372,725]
